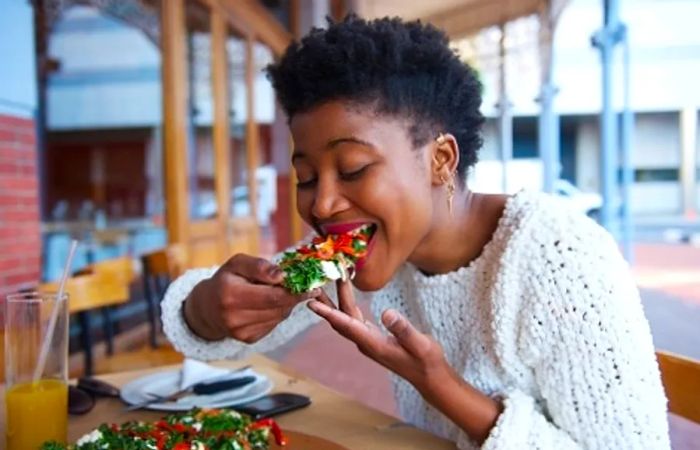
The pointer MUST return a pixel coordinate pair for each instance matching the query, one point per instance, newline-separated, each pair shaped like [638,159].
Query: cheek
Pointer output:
[406,210]
[305,201]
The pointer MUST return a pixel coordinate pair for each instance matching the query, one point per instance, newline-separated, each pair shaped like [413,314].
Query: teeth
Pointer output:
[362,228]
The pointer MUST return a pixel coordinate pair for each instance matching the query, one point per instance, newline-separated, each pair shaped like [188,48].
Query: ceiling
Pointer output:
[458,18]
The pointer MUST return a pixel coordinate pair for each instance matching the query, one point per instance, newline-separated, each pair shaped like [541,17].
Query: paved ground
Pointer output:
[669,279]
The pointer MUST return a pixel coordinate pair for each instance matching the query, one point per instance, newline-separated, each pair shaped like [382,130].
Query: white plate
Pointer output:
[164,383]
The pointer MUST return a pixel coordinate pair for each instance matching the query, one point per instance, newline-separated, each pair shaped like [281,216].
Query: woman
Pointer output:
[512,322]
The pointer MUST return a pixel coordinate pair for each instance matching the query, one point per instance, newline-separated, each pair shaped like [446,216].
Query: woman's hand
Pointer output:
[244,300]
[407,352]
[416,357]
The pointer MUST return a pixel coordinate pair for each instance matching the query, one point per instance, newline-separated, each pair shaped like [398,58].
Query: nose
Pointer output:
[328,200]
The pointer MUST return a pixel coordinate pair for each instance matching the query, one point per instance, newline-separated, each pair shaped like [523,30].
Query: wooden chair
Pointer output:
[681,379]
[159,269]
[116,271]
[89,292]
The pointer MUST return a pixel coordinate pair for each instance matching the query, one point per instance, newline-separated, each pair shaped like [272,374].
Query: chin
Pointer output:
[369,280]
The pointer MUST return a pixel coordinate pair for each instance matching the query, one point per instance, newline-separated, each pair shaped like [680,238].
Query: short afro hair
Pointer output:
[405,69]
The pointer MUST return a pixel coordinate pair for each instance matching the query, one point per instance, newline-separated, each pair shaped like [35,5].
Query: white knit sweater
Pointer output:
[548,318]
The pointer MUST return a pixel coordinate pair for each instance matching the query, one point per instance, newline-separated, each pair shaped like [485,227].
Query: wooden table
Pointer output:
[331,415]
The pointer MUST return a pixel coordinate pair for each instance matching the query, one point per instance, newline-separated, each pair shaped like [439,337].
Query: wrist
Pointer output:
[197,322]
[440,379]
[472,410]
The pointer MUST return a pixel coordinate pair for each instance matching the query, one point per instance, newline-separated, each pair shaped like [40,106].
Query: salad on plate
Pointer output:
[198,429]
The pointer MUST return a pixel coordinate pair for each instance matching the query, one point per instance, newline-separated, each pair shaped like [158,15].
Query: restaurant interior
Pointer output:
[155,141]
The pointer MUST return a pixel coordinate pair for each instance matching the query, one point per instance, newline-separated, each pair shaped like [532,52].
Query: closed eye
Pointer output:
[306,184]
[354,175]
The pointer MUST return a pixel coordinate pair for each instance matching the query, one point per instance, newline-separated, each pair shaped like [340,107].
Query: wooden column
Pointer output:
[220,94]
[294,18]
[296,232]
[174,72]
[294,218]
[252,138]
[339,9]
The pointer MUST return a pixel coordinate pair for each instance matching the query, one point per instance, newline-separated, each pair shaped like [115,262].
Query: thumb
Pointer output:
[256,270]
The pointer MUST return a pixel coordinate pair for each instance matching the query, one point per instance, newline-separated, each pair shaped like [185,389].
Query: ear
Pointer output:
[444,159]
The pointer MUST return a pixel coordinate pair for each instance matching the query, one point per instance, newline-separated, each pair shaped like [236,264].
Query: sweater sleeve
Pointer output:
[586,346]
[191,345]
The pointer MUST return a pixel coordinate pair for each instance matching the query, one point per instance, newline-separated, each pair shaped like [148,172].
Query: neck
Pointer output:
[456,239]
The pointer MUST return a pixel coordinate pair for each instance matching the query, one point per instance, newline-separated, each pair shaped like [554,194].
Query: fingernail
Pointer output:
[274,271]
[313,306]
[390,318]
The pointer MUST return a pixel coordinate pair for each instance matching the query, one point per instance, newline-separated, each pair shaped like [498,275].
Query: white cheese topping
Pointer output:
[93,436]
[330,269]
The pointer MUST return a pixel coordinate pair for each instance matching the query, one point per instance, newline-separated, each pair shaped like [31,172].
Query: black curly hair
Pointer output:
[405,69]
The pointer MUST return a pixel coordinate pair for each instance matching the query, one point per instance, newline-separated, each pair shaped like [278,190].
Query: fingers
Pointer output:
[241,296]
[360,315]
[366,336]
[415,342]
[253,333]
[236,320]
[256,270]
[325,299]
[346,300]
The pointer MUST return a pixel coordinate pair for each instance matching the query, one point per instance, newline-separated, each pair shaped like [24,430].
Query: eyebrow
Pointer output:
[353,140]
[334,143]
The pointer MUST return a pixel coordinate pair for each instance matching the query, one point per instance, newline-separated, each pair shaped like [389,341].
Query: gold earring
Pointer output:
[440,139]
[450,185]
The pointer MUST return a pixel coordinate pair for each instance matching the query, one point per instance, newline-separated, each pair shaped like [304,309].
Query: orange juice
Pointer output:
[36,413]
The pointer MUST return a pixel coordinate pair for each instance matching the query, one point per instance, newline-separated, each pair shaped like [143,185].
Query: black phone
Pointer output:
[273,405]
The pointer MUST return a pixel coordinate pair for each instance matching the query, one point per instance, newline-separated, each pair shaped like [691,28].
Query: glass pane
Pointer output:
[273,155]
[103,154]
[200,150]
[238,115]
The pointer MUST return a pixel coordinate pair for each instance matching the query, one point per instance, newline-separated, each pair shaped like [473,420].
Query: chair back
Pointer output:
[159,269]
[681,379]
[170,261]
[119,270]
[90,291]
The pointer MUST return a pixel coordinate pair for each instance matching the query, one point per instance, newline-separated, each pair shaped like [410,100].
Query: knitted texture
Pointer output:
[547,318]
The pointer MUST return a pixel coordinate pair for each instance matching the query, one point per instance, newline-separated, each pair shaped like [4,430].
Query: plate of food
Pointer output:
[145,388]
[197,429]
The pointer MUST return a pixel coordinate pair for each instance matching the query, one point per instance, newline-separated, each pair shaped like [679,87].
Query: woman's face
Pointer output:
[358,167]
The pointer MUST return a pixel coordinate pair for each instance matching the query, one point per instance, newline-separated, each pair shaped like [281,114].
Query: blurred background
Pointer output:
[147,130]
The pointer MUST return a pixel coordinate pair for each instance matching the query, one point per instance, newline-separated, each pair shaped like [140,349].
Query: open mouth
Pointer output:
[362,236]
[367,232]
[366,229]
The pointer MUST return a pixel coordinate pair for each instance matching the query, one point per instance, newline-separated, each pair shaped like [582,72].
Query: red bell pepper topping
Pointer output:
[280,438]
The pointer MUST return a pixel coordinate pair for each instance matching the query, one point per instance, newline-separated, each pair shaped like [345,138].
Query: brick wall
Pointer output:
[20,242]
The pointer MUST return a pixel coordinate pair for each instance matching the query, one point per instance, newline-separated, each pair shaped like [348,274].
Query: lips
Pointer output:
[341,228]
[370,245]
